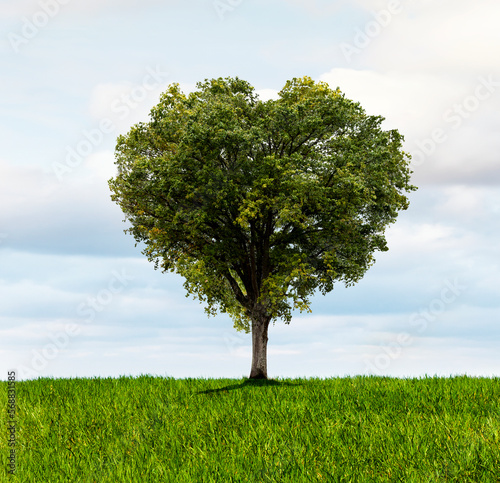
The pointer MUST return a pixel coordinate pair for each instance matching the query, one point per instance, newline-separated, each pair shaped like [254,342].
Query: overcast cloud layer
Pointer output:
[77,298]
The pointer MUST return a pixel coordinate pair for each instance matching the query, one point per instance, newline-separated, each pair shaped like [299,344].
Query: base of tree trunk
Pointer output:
[258,375]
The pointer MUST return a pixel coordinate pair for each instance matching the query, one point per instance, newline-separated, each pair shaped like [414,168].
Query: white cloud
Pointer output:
[445,36]
[446,122]
[416,102]
[266,94]
[105,97]
[464,202]
[101,165]
[127,103]
[456,35]
[426,238]
[22,188]
[319,7]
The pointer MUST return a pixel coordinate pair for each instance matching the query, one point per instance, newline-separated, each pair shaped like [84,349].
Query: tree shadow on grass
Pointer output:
[251,383]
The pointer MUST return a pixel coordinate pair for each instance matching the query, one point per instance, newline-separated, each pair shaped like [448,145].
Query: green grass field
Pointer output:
[152,429]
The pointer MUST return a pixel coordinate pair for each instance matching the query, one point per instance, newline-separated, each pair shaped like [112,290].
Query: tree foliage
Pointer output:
[260,203]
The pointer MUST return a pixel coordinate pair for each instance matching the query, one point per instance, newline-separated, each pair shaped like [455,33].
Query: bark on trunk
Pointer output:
[260,326]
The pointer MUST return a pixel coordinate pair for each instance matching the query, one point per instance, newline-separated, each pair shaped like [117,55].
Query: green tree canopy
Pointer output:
[259,204]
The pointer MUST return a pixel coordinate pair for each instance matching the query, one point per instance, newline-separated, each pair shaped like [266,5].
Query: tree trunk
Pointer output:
[260,326]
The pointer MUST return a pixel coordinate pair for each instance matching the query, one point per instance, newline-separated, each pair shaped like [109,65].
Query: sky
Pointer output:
[79,299]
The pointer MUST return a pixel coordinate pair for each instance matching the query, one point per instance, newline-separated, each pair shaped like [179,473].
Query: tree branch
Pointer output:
[240,297]
[253,268]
